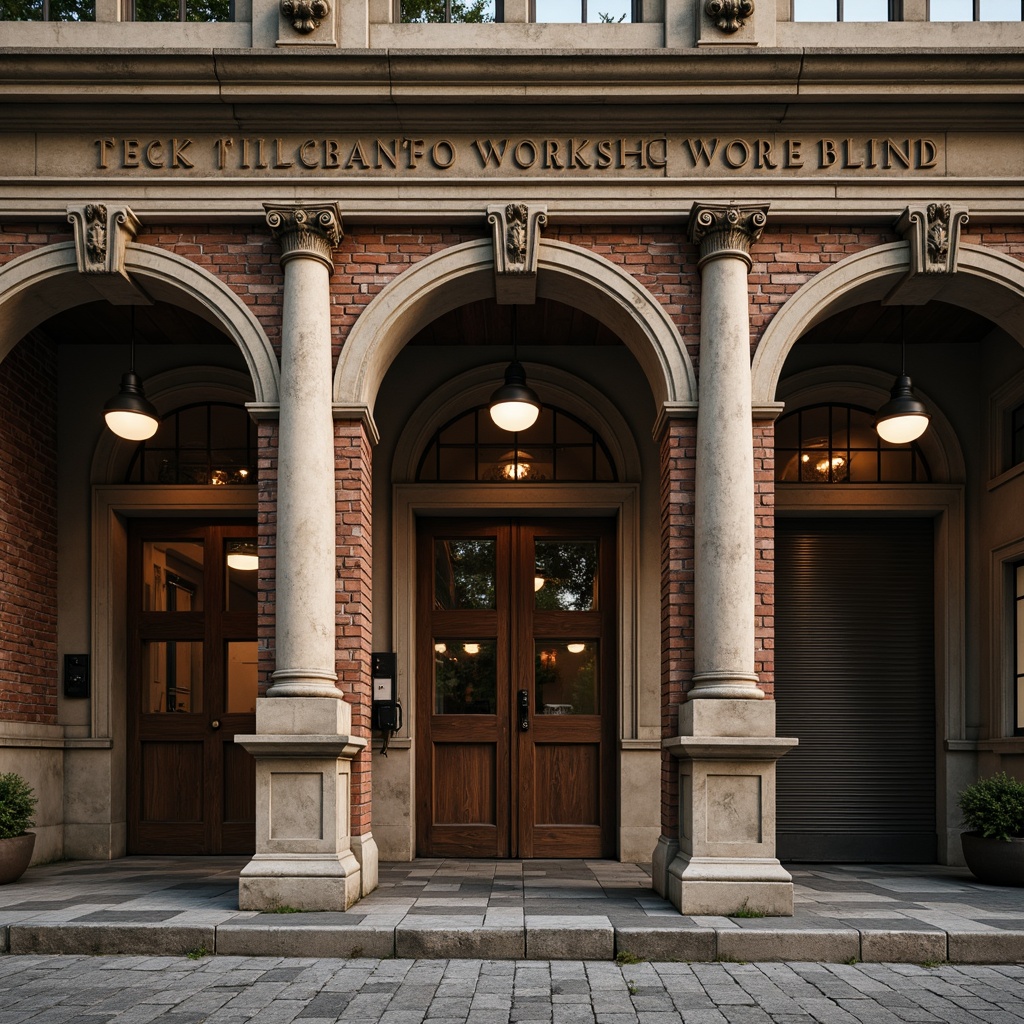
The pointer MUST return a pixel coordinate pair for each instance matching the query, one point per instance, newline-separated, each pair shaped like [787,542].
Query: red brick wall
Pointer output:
[28,533]
[678,466]
[354,639]
[764,555]
[266,533]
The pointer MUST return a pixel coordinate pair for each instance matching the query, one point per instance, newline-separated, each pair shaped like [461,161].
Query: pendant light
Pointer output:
[904,418]
[515,406]
[242,555]
[129,414]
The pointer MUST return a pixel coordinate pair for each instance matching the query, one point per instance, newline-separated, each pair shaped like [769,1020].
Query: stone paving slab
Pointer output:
[543,910]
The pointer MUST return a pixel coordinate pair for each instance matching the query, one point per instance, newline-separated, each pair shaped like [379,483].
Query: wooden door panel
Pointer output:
[172,782]
[466,784]
[569,792]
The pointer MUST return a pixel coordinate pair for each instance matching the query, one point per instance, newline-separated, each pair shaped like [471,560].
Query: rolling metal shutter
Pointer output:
[855,682]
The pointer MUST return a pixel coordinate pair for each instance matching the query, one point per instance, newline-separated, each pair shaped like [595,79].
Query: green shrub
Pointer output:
[17,804]
[994,807]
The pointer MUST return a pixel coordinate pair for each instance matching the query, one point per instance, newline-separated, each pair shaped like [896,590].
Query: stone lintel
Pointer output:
[726,230]
[516,229]
[310,231]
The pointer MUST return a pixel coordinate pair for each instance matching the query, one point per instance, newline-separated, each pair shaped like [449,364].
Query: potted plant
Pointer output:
[994,812]
[17,804]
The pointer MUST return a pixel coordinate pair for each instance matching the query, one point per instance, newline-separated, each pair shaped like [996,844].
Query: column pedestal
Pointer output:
[726,862]
[304,859]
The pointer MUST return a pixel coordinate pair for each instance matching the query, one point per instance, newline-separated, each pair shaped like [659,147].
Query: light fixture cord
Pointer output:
[132,358]
[903,341]
[515,333]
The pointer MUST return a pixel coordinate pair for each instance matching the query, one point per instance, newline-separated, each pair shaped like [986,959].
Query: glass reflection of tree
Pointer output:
[464,574]
[569,572]
[473,12]
[464,684]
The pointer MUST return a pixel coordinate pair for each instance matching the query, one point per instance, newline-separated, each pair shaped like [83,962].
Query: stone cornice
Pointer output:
[636,77]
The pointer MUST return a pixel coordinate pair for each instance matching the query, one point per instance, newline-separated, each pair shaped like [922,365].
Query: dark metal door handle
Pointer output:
[524,710]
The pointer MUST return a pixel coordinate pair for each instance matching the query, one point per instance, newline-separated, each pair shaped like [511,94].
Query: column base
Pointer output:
[365,849]
[723,887]
[303,882]
[664,854]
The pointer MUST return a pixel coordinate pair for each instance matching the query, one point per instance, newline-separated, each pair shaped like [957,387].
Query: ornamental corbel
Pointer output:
[729,16]
[932,231]
[516,229]
[305,16]
[102,234]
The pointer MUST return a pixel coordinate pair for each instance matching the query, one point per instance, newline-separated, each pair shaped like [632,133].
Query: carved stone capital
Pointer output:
[726,230]
[306,231]
[516,228]
[729,15]
[305,16]
[933,231]
[102,233]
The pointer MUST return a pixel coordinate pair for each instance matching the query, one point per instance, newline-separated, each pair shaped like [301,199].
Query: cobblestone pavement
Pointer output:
[270,990]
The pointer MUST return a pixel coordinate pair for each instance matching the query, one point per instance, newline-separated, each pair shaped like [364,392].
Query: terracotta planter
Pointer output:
[14,856]
[993,860]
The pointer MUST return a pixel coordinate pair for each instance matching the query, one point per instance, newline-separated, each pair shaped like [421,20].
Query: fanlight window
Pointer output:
[837,444]
[558,447]
[205,443]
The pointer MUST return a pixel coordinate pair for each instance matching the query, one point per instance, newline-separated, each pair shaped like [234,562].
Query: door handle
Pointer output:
[215,724]
[524,710]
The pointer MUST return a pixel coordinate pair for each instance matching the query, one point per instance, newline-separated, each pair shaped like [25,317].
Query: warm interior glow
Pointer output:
[440,648]
[576,648]
[514,416]
[538,582]
[902,429]
[471,648]
[132,426]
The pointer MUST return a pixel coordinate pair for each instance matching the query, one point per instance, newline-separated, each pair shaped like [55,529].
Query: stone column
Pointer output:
[303,744]
[726,748]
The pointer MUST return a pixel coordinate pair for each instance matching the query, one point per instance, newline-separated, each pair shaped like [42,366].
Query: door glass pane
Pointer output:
[240,563]
[240,698]
[172,576]
[465,677]
[565,575]
[172,676]
[566,677]
[464,573]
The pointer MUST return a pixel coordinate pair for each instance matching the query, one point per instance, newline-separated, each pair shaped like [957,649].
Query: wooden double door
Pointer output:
[192,685]
[516,697]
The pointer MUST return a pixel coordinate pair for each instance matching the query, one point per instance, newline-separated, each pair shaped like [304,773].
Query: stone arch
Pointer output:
[465,273]
[986,282]
[39,284]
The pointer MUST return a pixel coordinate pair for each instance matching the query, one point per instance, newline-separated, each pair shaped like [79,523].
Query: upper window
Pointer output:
[207,443]
[975,10]
[47,10]
[457,12]
[558,447]
[576,12]
[837,444]
[182,10]
[845,10]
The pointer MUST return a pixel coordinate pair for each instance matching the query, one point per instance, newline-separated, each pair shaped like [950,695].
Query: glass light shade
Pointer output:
[575,648]
[242,555]
[514,406]
[129,414]
[904,418]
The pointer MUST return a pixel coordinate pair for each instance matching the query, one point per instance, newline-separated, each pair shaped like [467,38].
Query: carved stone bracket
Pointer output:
[933,233]
[102,234]
[516,228]
[305,16]
[726,230]
[311,231]
[729,15]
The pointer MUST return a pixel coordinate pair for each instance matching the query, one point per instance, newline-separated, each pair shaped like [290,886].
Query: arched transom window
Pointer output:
[559,447]
[833,443]
[203,443]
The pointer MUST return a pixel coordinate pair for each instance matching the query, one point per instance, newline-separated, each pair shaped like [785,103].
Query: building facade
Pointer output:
[698,613]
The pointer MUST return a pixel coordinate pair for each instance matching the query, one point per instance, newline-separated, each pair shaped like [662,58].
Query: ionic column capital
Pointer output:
[726,230]
[310,231]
